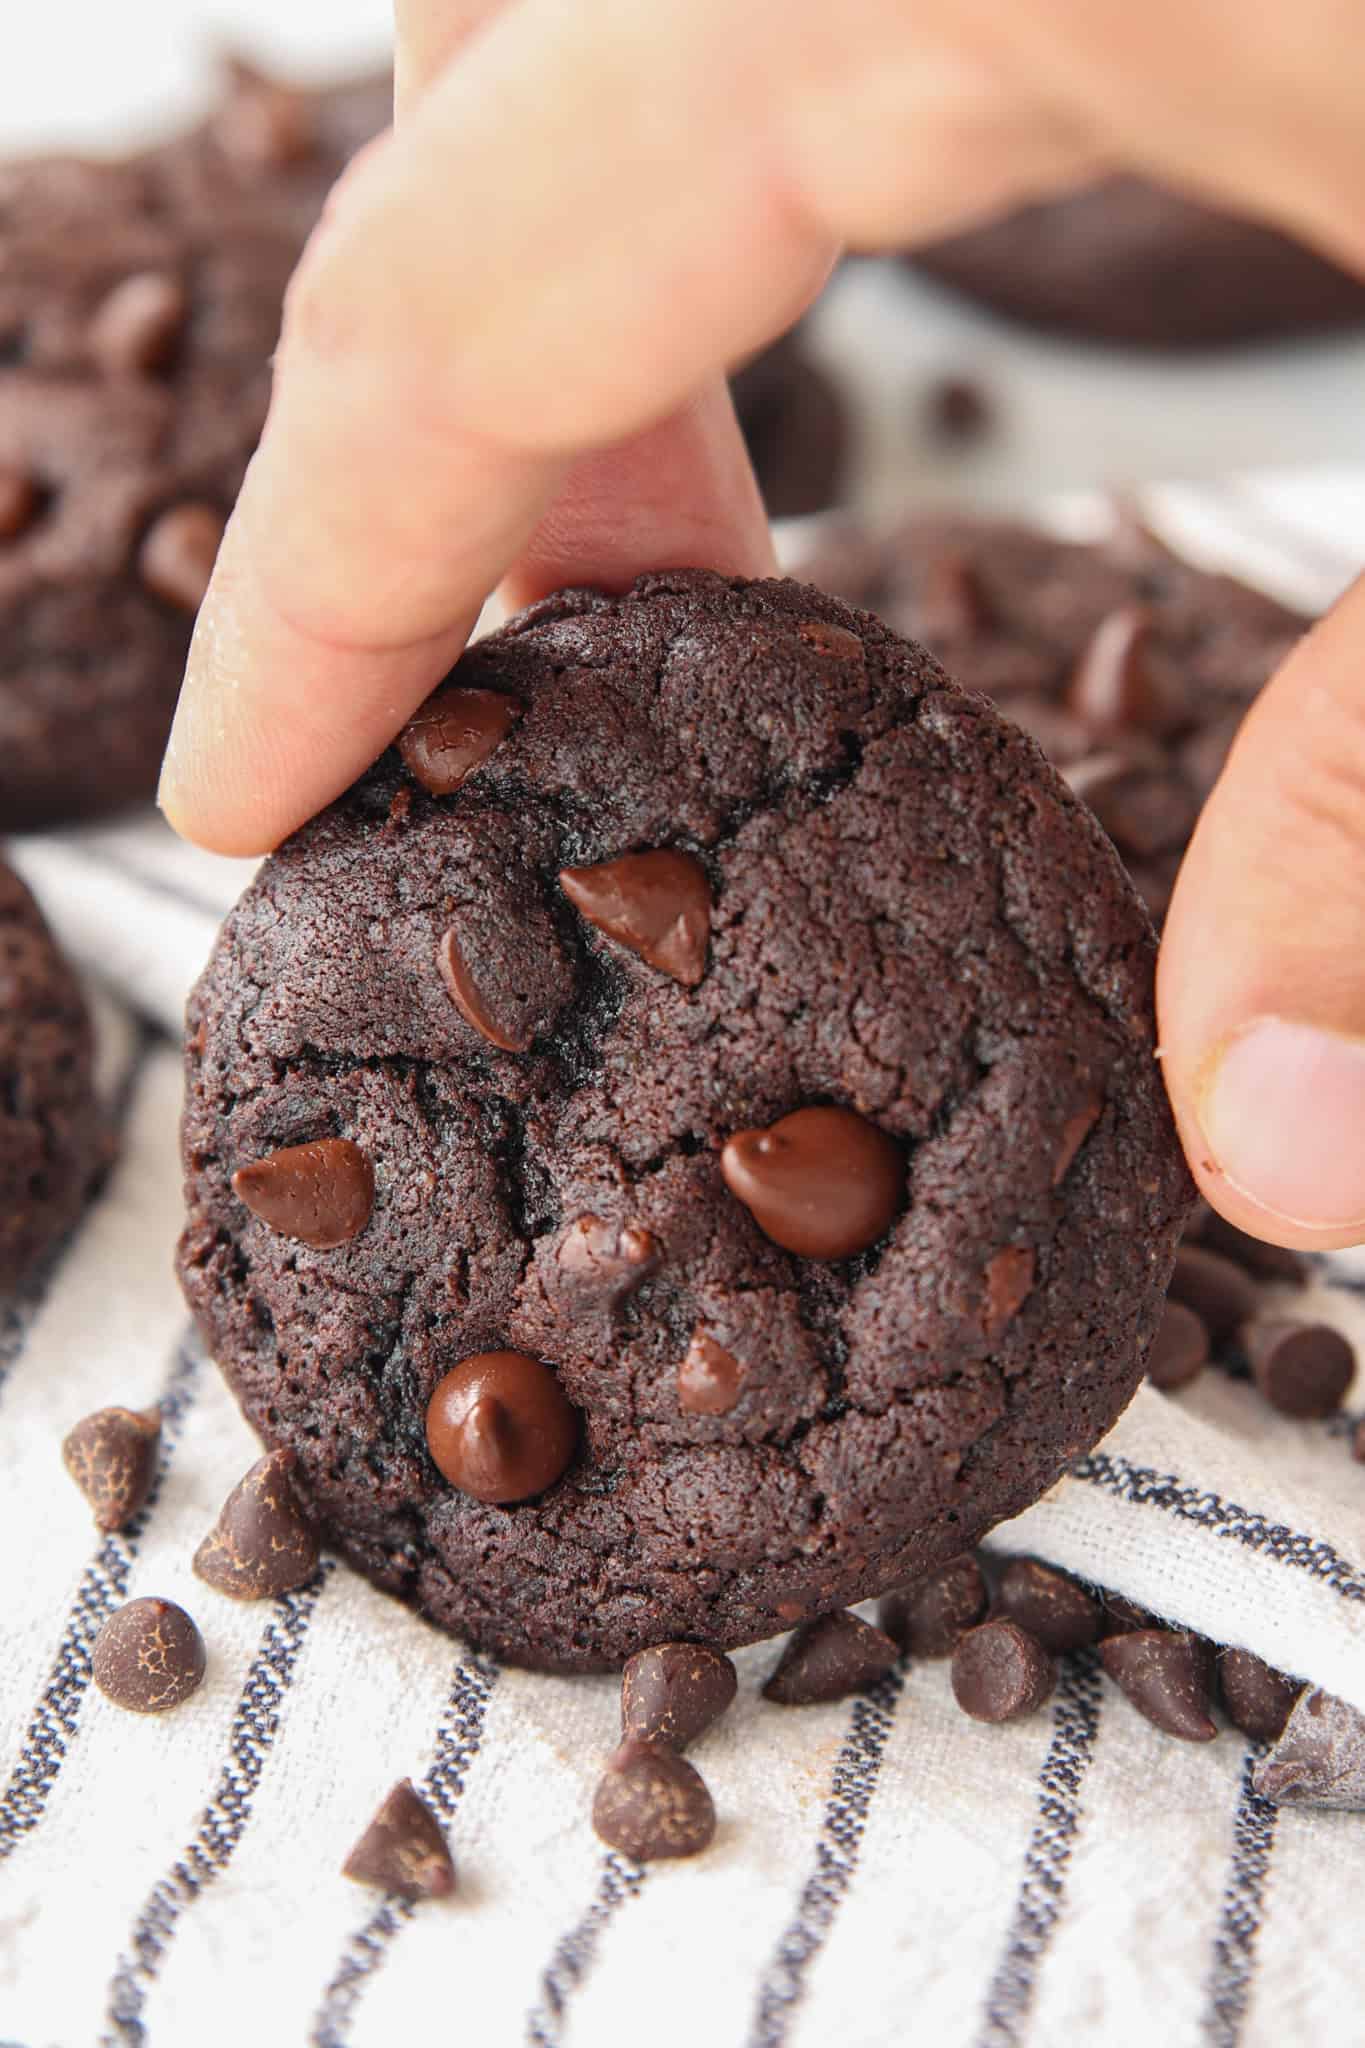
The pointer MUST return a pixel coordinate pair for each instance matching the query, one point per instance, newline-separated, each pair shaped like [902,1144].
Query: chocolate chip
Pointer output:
[1258,1699]
[320,1193]
[1000,1672]
[1180,1348]
[822,1182]
[1320,1758]
[148,1657]
[1008,1284]
[1358,1442]
[600,1263]
[135,329]
[1120,1617]
[19,501]
[658,904]
[931,1617]
[828,1659]
[1145,811]
[674,1692]
[178,553]
[950,603]
[1168,1675]
[500,1427]
[509,1034]
[710,1378]
[650,1803]
[1303,1369]
[404,1849]
[1266,1261]
[262,1543]
[1116,687]
[111,1455]
[1075,1131]
[1055,1611]
[827,638]
[957,411]
[453,734]
[264,125]
[1220,1293]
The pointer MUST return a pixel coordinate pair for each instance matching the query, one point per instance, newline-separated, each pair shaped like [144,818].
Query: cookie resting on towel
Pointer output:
[703,1167]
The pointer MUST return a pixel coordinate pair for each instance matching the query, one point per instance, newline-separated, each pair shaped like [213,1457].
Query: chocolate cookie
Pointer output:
[1131,669]
[706,1165]
[139,305]
[795,426]
[52,1135]
[1128,262]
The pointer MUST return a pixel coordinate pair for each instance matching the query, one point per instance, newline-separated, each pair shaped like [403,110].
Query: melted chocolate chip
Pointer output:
[823,1182]
[111,1455]
[826,638]
[1168,1675]
[453,734]
[404,1849]
[500,1427]
[674,1692]
[828,1659]
[1057,1612]
[650,1804]
[321,1193]
[262,1543]
[1257,1698]
[1009,1282]
[148,1657]
[1075,1131]
[469,1000]
[135,329]
[19,501]
[1302,1369]
[178,552]
[658,904]
[600,1264]
[1116,688]
[1001,1672]
[710,1378]
[931,1617]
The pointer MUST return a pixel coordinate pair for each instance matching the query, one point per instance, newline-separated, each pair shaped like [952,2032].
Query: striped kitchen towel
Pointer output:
[885,1870]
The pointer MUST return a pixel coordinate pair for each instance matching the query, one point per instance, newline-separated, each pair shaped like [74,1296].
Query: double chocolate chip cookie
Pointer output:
[677,1149]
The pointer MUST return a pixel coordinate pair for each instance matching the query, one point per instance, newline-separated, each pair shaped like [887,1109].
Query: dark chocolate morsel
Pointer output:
[1008,1284]
[1266,1261]
[1056,1611]
[674,1692]
[1115,688]
[1180,1348]
[827,638]
[262,1543]
[135,329]
[710,1378]
[111,1455]
[1303,1369]
[1000,1672]
[1120,1617]
[1320,1758]
[19,498]
[823,1182]
[404,1849]
[178,552]
[828,1659]
[1075,1131]
[930,1618]
[1220,1293]
[1358,1442]
[658,904]
[1257,1698]
[500,1427]
[651,1803]
[1168,1676]
[320,1193]
[599,1264]
[470,1001]
[148,1657]
[957,410]
[453,734]
[1145,811]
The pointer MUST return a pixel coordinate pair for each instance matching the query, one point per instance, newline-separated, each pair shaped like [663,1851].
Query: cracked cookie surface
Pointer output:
[910,918]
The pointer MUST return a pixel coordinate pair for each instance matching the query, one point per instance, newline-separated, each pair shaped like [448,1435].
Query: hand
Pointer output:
[502,359]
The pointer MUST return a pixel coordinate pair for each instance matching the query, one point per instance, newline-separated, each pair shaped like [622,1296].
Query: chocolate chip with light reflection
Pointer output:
[1256,1698]
[1117,687]
[500,1427]
[1075,1131]
[1001,1672]
[178,552]
[454,733]
[1320,1758]
[1180,1348]
[1220,1293]
[148,1657]
[321,1193]
[1008,1285]
[827,638]
[658,904]
[1168,1676]
[1057,1612]
[650,1804]
[823,1182]
[470,1001]
[828,1659]
[1302,1369]
[262,1543]
[673,1692]
[19,500]
[404,1849]
[135,328]
[710,1378]
[111,1455]
[930,1617]
[603,1263]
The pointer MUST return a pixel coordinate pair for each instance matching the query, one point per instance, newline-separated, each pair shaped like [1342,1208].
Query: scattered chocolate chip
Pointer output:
[404,1849]
[1266,1261]
[506,1034]
[1302,1369]
[1120,1617]
[1145,811]
[19,500]
[602,1263]
[1168,1676]
[931,1617]
[264,125]
[262,1543]
[1055,1611]
[950,603]
[111,1455]
[1180,1348]
[1000,1672]
[1008,1284]
[135,329]
[827,638]
[1258,1699]
[828,1659]
[453,734]
[710,1378]
[658,904]
[320,1193]
[500,1427]
[178,553]
[674,1692]
[1320,1758]
[957,411]
[823,1182]
[1075,1131]
[650,1803]
[148,1657]
[1116,688]
[1220,1293]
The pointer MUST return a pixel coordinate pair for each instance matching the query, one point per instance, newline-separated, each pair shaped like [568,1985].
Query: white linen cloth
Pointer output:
[886,1870]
